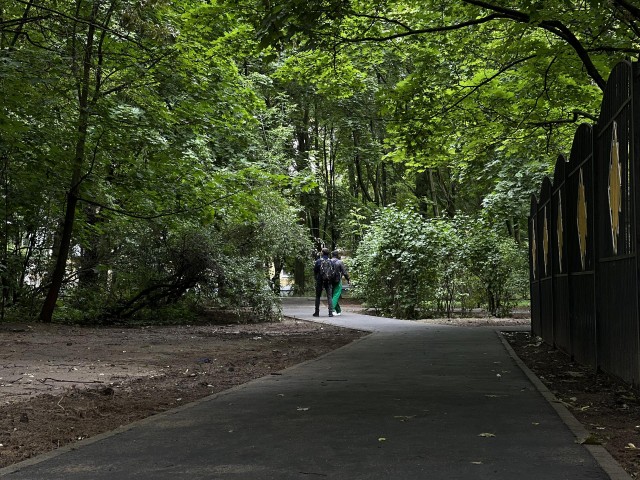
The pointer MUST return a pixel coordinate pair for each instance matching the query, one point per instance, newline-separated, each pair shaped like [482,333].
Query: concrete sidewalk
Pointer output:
[409,401]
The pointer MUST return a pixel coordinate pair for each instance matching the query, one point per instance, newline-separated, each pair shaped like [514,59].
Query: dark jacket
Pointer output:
[342,270]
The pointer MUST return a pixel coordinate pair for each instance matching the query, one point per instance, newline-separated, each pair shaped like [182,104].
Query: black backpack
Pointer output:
[328,270]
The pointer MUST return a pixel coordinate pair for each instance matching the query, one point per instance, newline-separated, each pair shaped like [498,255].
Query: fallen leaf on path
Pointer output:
[486,435]
[590,440]
[404,418]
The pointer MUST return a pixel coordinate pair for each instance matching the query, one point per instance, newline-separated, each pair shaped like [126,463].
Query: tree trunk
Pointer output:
[358,166]
[385,188]
[377,186]
[423,187]
[451,200]
[353,187]
[299,278]
[310,215]
[371,177]
[434,195]
[88,275]
[46,314]
[4,278]
[57,277]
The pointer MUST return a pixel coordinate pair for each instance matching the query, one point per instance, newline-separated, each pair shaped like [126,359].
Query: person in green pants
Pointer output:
[341,271]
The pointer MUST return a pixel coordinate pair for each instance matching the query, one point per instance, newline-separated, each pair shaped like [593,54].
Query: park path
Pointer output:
[409,401]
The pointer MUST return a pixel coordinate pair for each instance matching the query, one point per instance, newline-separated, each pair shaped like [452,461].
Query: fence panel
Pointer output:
[616,269]
[534,271]
[558,234]
[545,262]
[580,245]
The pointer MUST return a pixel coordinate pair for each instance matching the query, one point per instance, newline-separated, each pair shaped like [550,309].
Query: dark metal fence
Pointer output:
[583,239]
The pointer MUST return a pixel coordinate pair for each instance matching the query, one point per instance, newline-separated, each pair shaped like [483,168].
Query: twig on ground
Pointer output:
[68,381]
[14,381]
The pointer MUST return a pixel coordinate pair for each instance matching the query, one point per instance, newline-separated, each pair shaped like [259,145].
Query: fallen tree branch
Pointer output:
[68,381]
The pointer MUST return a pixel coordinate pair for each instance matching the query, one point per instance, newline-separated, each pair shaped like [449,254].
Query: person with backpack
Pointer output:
[341,271]
[325,272]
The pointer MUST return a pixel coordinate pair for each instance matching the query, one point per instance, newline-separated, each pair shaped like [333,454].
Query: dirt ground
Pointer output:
[60,384]
[608,409]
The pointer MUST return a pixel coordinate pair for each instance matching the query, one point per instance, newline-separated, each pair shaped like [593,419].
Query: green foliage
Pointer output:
[497,262]
[244,287]
[394,267]
[451,270]
[475,91]
[153,267]
[180,150]
[408,266]
[198,159]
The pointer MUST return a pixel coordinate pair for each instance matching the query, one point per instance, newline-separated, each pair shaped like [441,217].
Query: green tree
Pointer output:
[152,129]
[482,83]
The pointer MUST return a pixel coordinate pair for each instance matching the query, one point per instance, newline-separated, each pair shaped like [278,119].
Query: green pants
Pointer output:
[337,290]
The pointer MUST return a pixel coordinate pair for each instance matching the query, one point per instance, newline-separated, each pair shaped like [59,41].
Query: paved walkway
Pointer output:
[409,401]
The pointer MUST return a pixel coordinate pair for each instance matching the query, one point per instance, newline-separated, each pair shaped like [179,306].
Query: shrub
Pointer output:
[395,263]
[498,263]
[409,266]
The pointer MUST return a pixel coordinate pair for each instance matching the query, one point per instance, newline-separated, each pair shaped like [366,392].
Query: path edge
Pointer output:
[598,452]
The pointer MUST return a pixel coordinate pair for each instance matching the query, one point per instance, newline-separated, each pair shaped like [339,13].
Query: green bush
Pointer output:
[498,263]
[394,264]
[408,266]
[244,289]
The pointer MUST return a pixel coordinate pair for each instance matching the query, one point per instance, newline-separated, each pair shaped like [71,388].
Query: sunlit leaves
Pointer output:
[334,75]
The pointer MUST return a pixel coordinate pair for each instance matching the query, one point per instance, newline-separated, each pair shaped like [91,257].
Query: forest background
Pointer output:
[158,157]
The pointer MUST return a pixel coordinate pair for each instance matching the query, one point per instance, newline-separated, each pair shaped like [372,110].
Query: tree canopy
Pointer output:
[159,155]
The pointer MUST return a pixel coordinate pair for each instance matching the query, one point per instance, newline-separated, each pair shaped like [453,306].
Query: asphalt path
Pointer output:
[409,401]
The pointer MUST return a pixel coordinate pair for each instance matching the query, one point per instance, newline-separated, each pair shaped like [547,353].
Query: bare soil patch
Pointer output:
[60,384]
[478,321]
[608,408]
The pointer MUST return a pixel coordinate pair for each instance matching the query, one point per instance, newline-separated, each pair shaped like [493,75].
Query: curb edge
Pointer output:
[598,452]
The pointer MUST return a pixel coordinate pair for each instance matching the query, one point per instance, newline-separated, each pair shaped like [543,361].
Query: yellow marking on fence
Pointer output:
[615,188]
[581,220]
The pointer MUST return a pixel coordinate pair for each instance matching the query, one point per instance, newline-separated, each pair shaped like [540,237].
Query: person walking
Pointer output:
[341,271]
[325,272]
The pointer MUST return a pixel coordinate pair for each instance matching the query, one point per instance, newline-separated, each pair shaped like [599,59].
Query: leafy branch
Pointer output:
[158,215]
[421,31]
[76,19]
[554,26]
